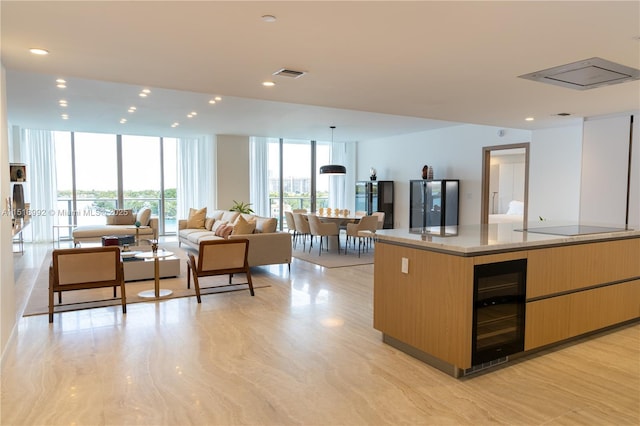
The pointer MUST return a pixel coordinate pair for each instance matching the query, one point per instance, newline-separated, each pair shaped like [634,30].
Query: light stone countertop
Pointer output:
[475,240]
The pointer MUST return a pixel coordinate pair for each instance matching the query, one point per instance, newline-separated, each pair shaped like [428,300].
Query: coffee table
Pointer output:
[157,292]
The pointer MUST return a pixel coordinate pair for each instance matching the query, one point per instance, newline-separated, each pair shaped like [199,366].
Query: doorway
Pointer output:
[505,184]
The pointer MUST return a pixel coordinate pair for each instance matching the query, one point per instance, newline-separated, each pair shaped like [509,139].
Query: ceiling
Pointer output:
[373,68]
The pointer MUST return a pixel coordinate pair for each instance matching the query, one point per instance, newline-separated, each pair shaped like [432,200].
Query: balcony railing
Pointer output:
[92,211]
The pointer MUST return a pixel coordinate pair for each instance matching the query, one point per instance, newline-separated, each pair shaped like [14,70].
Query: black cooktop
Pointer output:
[571,230]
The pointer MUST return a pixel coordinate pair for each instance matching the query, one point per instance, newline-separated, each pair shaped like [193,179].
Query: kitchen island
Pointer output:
[466,298]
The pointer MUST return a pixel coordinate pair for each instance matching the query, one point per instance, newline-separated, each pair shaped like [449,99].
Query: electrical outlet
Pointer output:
[405,266]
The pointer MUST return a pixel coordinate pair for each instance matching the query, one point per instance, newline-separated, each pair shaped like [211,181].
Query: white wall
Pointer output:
[554,174]
[7,294]
[232,159]
[605,159]
[454,152]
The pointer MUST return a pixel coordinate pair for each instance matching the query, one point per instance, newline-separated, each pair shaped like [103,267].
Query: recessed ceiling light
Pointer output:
[176,124]
[218,98]
[65,116]
[61,80]
[268,18]
[123,120]
[132,109]
[212,101]
[38,51]
[529,119]
[147,91]
[189,115]
[142,95]
[62,102]
[268,83]
[61,86]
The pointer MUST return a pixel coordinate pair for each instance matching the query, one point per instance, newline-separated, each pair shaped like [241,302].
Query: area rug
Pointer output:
[332,259]
[38,303]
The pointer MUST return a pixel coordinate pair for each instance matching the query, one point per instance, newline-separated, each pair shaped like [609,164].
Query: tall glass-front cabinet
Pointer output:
[433,203]
[376,196]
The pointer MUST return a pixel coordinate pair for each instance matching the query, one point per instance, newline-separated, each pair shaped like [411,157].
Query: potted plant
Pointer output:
[242,207]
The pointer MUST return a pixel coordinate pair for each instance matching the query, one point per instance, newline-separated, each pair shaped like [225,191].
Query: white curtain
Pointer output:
[259,176]
[41,188]
[342,187]
[196,174]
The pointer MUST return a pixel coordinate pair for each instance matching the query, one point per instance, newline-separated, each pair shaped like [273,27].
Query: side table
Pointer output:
[157,292]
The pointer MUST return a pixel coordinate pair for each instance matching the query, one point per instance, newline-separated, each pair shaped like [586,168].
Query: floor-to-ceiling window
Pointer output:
[96,176]
[141,173]
[97,173]
[293,175]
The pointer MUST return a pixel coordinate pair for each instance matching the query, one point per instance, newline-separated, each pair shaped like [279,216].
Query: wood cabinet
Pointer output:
[571,290]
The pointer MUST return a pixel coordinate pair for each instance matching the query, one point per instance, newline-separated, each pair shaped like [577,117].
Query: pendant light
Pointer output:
[334,169]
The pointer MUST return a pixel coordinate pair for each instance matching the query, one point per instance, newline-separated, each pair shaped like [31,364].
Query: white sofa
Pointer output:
[267,246]
[121,222]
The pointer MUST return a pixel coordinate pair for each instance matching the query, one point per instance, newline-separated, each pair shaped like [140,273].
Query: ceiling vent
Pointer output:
[289,73]
[586,74]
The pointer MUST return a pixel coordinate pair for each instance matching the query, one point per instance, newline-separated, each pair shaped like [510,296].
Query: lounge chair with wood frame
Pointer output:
[85,268]
[219,257]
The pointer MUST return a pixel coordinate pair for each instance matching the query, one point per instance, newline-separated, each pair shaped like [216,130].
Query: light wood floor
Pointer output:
[302,351]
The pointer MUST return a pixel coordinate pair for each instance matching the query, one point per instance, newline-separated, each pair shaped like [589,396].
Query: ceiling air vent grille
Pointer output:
[586,74]
[284,72]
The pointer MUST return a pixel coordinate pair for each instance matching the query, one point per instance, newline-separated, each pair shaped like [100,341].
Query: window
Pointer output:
[113,171]
[96,176]
[292,177]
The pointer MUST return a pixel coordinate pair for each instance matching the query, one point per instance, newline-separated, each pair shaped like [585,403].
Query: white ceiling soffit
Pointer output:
[586,74]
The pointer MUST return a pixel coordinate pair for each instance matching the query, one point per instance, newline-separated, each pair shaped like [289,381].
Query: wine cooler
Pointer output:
[499,309]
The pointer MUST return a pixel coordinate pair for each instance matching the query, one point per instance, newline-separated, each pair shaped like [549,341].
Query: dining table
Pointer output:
[341,221]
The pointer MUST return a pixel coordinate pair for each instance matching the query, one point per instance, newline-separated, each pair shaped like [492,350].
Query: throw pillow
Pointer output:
[224,230]
[121,217]
[196,218]
[208,223]
[143,216]
[243,226]
[266,225]
[217,224]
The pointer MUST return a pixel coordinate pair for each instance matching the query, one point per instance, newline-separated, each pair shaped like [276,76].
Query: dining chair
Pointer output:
[219,257]
[380,216]
[323,229]
[363,230]
[291,225]
[302,228]
[83,269]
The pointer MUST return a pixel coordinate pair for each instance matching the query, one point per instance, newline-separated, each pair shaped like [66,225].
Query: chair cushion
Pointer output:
[195,236]
[196,218]
[143,216]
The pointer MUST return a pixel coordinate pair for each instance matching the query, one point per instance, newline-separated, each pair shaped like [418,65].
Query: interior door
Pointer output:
[505,179]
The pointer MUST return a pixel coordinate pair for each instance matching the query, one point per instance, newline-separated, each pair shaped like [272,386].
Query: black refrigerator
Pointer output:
[434,203]
[376,196]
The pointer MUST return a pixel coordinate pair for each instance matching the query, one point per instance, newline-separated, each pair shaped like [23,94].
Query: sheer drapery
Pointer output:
[196,174]
[342,187]
[40,158]
[259,176]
